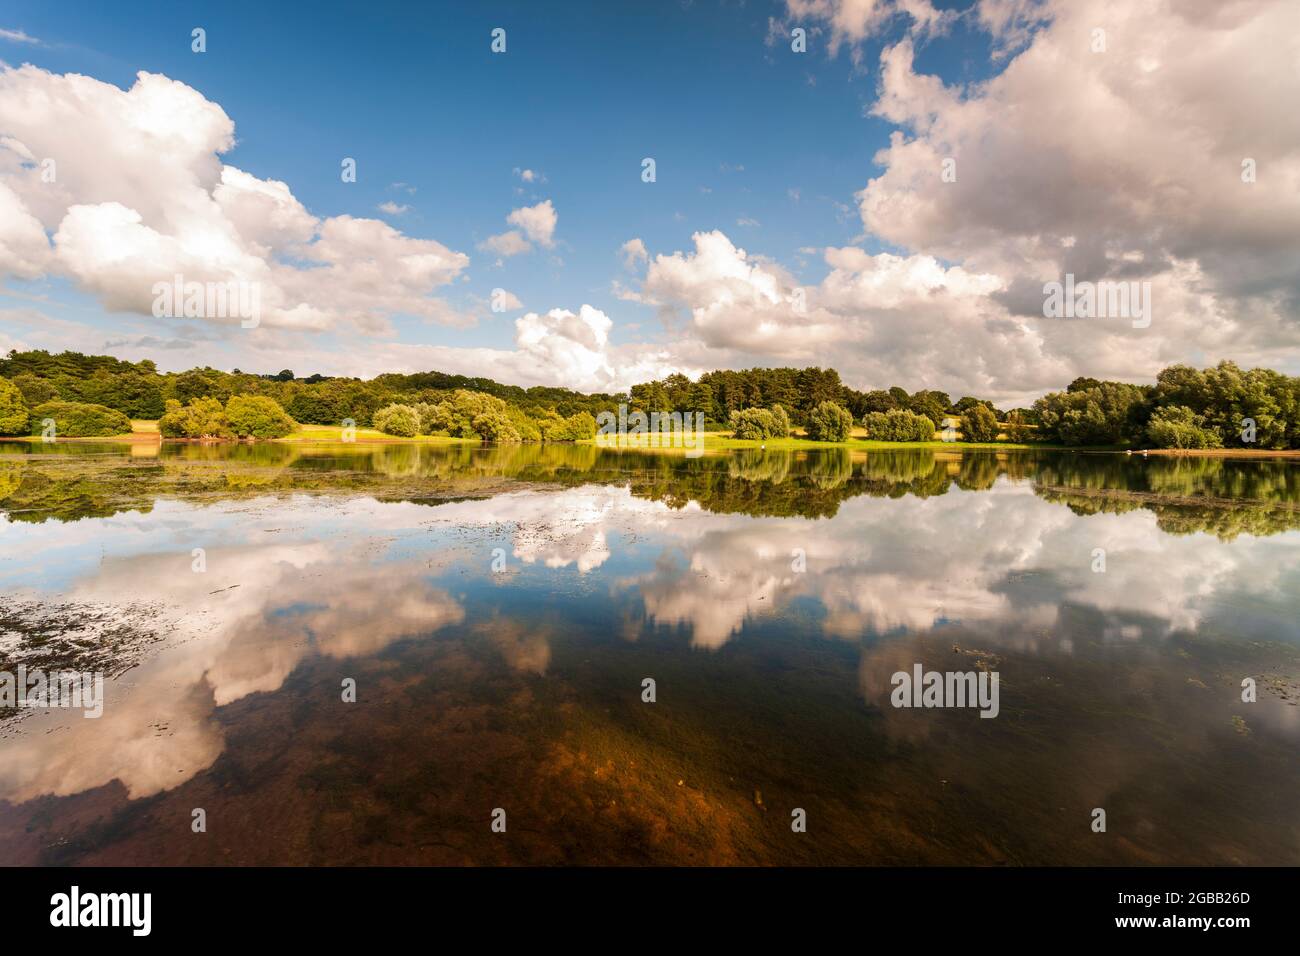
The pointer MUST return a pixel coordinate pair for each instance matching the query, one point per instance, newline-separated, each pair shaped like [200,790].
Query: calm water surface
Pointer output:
[499,609]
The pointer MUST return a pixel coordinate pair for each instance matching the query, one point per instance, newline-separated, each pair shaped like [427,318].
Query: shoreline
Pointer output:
[1217,452]
[713,442]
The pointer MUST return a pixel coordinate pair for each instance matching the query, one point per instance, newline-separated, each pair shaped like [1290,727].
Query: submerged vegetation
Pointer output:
[520,685]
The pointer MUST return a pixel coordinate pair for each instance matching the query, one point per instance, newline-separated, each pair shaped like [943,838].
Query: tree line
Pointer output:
[1223,406]
[1220,407]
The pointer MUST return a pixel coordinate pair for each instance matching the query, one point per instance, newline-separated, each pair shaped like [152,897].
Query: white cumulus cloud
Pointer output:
[140,194]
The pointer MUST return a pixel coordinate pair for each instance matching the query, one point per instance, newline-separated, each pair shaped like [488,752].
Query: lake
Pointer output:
[497,613]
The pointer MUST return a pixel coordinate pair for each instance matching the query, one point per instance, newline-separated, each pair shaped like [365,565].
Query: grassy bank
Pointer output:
[145,430]
[334,433]
[142,430]
[723,440]
[327,433]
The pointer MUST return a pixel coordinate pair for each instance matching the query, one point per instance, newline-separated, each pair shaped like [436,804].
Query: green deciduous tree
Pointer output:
[79,420]
[979,424]
[134,394]
[932,404]
[256,416]
[36,391]
[579,427]
[201,418]
[1019,428]
[1106,414]
[877,401]
[456,414]
[760,424]
[898,424]
[397,419]
[13,409]
[496,426]
[829,422]
[1177,426]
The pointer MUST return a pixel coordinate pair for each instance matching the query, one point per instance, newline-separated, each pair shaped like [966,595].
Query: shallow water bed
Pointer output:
[498,611]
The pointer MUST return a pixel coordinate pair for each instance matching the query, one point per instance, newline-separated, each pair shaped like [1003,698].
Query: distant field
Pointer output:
[144,428]
[147,430]
[330,433]
[723,441]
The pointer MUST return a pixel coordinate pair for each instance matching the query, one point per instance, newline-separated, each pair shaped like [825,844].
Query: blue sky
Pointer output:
[766,146]
[584,92]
